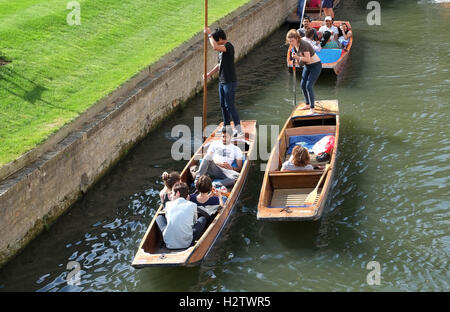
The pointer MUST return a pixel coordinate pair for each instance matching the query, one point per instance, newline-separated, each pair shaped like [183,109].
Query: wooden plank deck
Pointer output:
[292,197]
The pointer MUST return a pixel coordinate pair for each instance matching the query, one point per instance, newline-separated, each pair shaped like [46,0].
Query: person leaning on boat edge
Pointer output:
[219,159]
[227,77]
[305,54]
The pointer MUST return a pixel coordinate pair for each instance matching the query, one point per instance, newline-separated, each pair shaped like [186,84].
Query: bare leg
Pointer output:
[305,107]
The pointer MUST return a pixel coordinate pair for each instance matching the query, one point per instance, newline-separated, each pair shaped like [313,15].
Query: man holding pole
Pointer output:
[227,77]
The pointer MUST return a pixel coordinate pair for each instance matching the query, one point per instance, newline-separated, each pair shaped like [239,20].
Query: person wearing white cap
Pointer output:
[329,27]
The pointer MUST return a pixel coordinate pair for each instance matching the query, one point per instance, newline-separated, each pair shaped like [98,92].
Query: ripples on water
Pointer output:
[389,200]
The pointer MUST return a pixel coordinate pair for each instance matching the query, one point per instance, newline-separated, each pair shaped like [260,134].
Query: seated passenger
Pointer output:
[306,27]
[219,158]
[169,180]
[299,160]
[310,39]
[344,35]
[329,27]
[208,200]
[180,226]
[327,43]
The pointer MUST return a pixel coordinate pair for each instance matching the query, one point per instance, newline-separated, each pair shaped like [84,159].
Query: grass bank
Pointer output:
[57,70]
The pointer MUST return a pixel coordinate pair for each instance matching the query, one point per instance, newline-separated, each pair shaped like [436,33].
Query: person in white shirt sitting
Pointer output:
[219,159]
[329,27]
[180,227]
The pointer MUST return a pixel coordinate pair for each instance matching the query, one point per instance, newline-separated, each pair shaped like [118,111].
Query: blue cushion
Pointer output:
[329,55]
[307,141]
[234,164]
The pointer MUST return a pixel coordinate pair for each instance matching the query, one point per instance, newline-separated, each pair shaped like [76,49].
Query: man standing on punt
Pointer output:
[227,77]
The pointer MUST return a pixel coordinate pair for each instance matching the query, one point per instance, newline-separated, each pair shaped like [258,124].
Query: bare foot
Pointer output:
[305,107]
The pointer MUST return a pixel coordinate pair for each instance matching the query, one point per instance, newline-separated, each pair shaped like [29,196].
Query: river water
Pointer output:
[389,202]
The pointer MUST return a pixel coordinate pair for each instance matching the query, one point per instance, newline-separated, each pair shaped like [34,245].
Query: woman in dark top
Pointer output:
[305,54]
[208,200]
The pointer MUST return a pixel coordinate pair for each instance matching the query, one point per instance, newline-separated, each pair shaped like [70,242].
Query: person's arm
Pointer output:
[214,44]
[239,163]
[162,193]
[317,47]
[306,58]
[226,165]
[238,157]
[348,35]
[218,194]
[320,32]
[335,33]
[213,71]
[220,200]
[195,215]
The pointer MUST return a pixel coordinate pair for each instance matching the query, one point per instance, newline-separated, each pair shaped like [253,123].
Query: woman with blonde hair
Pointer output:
[299,160]
[305,54]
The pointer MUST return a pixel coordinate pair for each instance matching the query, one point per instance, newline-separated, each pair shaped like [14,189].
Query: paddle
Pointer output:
[295,79]
[312,196]
[320,11]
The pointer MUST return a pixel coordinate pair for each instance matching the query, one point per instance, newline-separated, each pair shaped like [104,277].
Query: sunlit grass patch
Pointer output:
[57,71]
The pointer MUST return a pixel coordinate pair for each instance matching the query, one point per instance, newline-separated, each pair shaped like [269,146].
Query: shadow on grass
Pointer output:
[24,88]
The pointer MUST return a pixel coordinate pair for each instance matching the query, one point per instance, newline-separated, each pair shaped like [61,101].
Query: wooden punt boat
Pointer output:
[332,59]
[283,193]
[313,12]
[150,252]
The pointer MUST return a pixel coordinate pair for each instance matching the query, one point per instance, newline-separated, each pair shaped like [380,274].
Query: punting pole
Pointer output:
[303,13]
[205,70]
[295,78]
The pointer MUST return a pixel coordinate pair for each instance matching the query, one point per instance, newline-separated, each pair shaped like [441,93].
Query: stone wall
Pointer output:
[48,180]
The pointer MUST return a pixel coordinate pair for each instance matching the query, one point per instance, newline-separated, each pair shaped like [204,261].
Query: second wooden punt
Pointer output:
[334,59]
[283,193]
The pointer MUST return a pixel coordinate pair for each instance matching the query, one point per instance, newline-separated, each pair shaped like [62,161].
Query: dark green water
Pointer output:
[389,201]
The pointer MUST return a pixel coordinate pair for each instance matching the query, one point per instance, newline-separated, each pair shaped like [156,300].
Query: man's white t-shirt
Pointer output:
[333,30]
[224,153]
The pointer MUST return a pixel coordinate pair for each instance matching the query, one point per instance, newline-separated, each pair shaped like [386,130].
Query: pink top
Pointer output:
[314,3]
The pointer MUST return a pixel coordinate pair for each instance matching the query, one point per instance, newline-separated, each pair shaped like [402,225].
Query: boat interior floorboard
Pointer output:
[292,197]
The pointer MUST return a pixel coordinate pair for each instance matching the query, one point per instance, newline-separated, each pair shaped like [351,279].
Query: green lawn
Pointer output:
[58,71]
